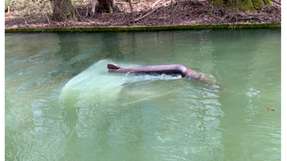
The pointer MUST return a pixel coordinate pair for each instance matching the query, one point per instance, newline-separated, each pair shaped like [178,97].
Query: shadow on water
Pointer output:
[78,58]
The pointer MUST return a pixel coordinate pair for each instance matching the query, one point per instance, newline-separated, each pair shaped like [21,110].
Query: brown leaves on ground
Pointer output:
[156,12]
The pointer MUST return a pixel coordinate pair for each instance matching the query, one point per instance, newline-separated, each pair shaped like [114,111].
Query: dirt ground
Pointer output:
[153,13]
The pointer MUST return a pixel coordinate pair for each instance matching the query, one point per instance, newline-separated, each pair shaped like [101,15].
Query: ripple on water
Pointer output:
[178,119]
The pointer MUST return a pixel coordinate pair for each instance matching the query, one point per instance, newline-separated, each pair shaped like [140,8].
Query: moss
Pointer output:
[267,2]
[258,4]
[253,4]
[246,5]
[217,2]
[144,28]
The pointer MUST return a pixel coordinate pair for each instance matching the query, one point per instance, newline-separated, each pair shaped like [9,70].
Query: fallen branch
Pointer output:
[155,3]
[131,6]
[47,17]
[152,10]
[278,3]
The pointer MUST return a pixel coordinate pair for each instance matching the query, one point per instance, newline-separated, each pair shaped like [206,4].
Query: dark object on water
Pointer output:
[270,108]
[170,69]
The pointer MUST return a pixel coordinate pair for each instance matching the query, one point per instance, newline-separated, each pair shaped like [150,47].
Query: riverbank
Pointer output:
[179,15]
[142,28]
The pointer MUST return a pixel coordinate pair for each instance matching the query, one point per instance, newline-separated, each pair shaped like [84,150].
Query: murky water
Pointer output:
[62,105]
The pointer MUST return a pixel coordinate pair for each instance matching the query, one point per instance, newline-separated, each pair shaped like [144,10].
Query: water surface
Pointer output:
[62,105]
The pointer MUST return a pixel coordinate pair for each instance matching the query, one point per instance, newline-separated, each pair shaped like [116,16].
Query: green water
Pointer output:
[62,105]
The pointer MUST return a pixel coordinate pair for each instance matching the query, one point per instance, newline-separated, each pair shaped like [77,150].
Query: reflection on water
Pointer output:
[61,104]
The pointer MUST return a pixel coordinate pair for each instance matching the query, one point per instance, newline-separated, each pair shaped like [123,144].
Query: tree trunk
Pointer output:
[106,6]
[63,10]
[242,4]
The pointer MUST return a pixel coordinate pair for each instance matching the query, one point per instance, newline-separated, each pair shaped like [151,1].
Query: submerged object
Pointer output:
[95,86]
[170,69]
